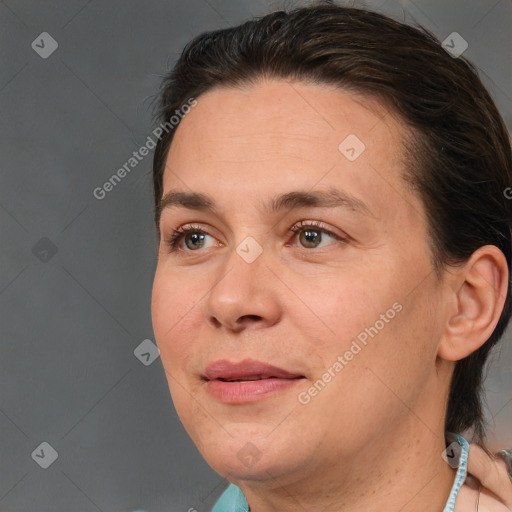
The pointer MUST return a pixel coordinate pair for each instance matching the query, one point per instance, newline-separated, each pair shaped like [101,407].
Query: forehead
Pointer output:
[273,135]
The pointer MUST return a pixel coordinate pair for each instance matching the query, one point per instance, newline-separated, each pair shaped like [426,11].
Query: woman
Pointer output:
[334,262]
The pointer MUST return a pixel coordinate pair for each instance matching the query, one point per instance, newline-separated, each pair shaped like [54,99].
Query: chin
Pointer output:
[249,457]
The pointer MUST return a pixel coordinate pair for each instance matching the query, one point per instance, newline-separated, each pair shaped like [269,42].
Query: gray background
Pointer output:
[71,319]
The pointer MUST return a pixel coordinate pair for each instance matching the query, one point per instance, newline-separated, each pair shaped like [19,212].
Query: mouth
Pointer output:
[246,381]
[250,378]
[246,370]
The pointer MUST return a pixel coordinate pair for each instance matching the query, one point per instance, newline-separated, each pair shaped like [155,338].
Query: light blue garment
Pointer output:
[462,470]
[233,500]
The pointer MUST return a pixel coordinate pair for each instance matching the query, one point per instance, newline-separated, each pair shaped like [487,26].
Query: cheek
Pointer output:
[343,305]
[172,306]
[169,308]
[369,317]
[163,308]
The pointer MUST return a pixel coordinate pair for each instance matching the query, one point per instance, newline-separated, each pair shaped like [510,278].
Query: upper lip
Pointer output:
[224,369]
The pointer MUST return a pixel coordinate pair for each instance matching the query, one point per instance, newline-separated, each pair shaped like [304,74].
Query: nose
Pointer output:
[244,294]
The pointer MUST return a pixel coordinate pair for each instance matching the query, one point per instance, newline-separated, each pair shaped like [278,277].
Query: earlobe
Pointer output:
[480,288]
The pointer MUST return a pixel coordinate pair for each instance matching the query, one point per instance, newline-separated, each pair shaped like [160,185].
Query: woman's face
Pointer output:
[307,253]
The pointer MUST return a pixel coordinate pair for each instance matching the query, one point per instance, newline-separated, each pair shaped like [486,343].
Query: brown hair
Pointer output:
[459,153]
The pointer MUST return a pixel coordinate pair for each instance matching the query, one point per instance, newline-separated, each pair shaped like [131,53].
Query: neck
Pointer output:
[399,469]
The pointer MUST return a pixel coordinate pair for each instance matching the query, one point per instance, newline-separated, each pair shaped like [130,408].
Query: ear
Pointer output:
[479,288]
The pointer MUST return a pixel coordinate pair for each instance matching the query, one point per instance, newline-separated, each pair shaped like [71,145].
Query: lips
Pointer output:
[247,381]
[246,370]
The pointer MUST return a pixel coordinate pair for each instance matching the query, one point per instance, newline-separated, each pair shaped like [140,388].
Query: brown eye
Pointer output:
[194,240]
[312,235]
[189,238]
[310,238]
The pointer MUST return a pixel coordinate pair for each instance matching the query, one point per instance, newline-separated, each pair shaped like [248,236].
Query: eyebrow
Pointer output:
[331,198]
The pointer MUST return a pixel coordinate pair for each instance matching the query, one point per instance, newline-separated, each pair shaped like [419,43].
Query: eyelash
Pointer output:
[176,236]
[318,226]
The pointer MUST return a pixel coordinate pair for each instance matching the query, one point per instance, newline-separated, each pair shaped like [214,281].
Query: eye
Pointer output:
[193,236]
[311,234]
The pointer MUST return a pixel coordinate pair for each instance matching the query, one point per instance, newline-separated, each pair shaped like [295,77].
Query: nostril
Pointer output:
[250,317]
[216,322]
[246,320]
[239,324]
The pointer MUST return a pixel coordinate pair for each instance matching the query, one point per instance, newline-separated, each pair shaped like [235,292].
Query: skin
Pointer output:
[381,419]
[488,486]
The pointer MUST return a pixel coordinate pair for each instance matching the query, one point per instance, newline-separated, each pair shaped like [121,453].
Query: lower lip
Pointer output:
[249,390]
